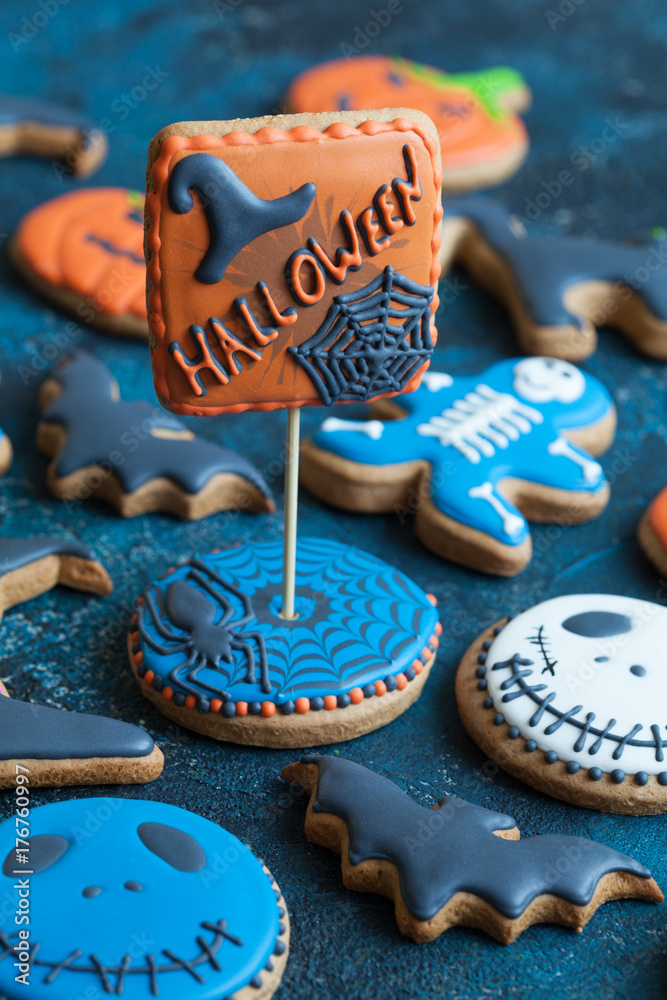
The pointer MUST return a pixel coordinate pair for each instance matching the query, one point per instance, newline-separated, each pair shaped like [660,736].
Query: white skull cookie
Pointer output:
[571,697]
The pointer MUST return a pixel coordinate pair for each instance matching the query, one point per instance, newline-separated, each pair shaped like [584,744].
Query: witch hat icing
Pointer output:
[236,216]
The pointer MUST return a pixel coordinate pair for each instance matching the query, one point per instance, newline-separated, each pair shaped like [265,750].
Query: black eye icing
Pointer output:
[638,671]
[598,624]
[176,847]
[44,850]
[134,886]
[91,891]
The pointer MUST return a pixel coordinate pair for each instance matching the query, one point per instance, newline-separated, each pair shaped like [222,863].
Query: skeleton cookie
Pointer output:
[139,899]
[569,696]
[558,290]
[474,457]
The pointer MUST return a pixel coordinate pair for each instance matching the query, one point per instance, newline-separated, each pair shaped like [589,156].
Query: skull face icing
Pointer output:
[584,677]
[139,898]
[548,380]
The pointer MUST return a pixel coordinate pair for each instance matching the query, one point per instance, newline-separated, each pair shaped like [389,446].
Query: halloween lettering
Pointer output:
[307,273]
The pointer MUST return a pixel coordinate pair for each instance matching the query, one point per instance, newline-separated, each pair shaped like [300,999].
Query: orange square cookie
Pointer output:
[292,260]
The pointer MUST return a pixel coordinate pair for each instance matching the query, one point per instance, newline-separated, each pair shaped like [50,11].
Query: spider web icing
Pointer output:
[360,620]
[358,353]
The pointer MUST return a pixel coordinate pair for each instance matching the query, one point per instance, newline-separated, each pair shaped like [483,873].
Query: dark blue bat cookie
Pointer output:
[558,290]
[31,566]
[460,863]
[30,127]
[56,748]
[134,455]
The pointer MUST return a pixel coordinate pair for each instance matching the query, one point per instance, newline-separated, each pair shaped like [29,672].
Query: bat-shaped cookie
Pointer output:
[31,566]
[61,748]
[459,863]
[558,290]
[133,455]
[30,127]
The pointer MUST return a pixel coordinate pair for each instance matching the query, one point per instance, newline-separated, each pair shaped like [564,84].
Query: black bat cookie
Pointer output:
[459,863]
[31,566]
[133,454]
[30,127]
[66,748]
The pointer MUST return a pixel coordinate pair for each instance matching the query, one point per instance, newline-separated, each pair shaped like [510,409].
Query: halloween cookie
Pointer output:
[558,290]
[31,566]
[292,260]
[56,748]
[132,454]
[483,141]
[212,651]
[568,697]
[652,532]
[151,900]
[29,127]
[457,863]
[84,252]
[474,458]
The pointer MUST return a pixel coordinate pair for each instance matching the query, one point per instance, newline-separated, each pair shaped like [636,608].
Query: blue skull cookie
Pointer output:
[210,648]
[139,899]
[474,458]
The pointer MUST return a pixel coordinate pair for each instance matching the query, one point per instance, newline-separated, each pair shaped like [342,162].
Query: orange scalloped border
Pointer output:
[301,133]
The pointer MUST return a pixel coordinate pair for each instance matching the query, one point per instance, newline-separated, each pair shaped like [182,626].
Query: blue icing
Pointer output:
[545,267]
[360,620]
[128,888]
[481,429]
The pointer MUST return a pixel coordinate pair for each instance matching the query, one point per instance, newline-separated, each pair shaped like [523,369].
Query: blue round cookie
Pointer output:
[135,898]
[211,649]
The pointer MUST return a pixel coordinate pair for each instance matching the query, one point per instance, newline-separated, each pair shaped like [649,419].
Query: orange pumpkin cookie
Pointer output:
[652,532]
[483,141]
[84,251]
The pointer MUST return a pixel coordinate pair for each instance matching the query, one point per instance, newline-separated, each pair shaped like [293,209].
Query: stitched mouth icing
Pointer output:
[208,954]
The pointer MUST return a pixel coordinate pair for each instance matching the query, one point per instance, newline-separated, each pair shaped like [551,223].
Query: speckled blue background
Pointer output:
[602,60]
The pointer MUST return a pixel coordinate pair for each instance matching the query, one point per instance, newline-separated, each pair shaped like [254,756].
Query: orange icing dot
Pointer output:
[190,701]
[401,681]
[148,677]
[167,693]
[302,705]
[356,696]
[330,701]
[216,704]
[380,688]
[241,707]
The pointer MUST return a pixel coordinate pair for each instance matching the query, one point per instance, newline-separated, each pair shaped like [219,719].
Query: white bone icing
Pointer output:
[512,523]
[591,470]
[371,428]
[434,381]
[481,422]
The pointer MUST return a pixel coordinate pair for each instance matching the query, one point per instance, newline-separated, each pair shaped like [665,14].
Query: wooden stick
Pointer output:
[291,504]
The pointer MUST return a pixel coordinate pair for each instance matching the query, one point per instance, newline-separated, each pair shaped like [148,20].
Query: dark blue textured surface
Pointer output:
[604,61]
